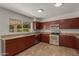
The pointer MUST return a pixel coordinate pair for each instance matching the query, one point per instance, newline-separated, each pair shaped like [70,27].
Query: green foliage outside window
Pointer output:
[24,27]
[11,28]
[19,28]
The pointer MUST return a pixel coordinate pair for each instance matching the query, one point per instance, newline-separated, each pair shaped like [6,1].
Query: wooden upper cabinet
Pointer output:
[37,25]
[72,23]
[69,23]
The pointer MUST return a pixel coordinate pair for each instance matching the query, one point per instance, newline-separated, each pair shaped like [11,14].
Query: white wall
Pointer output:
[5,15]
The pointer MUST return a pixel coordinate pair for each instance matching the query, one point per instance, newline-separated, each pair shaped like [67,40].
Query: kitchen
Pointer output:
[20,32]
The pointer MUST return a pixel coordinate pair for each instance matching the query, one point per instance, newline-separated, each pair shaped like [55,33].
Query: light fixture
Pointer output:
[58,4]
[40,10]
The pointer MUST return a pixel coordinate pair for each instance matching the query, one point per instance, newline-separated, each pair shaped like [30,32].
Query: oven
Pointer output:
[54,34]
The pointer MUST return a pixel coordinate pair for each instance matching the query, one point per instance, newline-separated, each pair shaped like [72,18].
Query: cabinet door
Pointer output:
[77,43]
[32,40]
[11,47]
[37,25]
[16,45]
[25,42]
[38,38]
[68,41]
[45,38]
[29,41]
[69,23]
[65,24]
[21,44]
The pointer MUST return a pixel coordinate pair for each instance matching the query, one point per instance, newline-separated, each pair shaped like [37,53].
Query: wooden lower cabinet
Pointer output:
[11,47]
[21,44]
[31,40]
[14,46]
[77,44]
[45,38]
[38,38]
[67,41]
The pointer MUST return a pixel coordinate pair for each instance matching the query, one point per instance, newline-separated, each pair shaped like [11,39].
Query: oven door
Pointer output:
[54,39]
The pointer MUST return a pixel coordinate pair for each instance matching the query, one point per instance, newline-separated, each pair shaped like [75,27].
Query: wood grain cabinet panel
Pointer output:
[31,40]
[45,38]
[11,47]
[77,44]
[72,23]
[38,38]
[14,46]
[69,24]
[37,25]
[21,44]
[68,41]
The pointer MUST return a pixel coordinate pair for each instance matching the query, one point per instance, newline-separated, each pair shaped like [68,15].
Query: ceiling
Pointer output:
[30,9]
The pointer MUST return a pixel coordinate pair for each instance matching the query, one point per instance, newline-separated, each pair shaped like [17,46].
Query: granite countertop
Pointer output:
[71,34]
[45,33]
[65,33]
[6,37]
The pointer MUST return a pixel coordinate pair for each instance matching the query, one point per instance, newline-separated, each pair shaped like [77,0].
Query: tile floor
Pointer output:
[44,49]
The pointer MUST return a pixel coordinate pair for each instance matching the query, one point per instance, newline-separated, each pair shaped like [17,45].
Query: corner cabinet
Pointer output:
[37,25]
[45,38]
[16,45]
